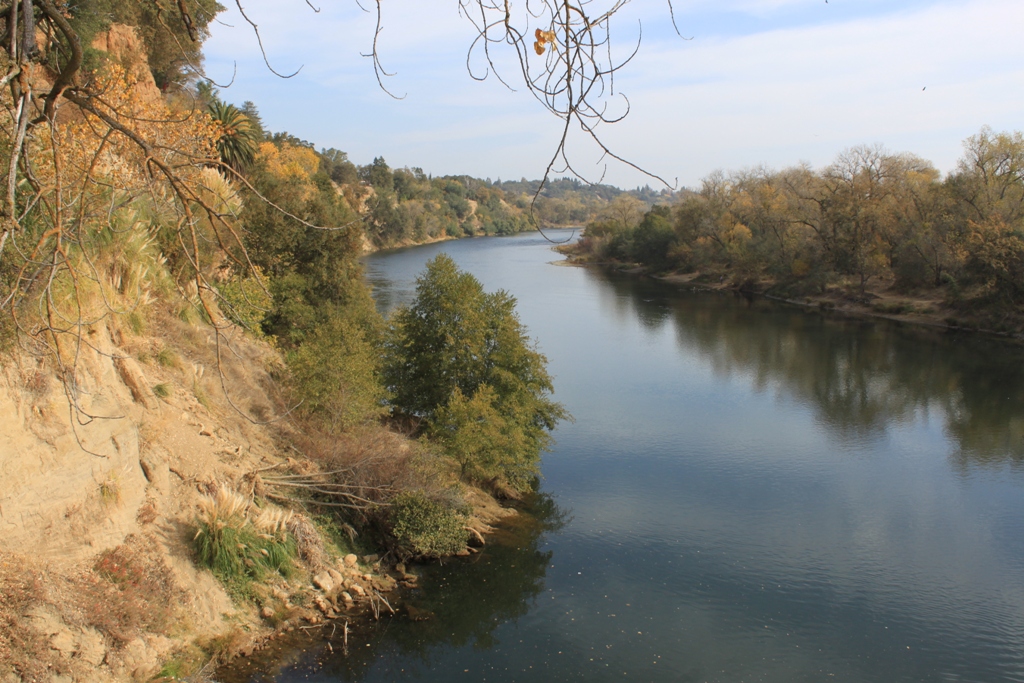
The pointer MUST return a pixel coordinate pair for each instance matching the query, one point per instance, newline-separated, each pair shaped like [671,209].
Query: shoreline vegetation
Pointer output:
[928,309]
[875,233]
[209,436]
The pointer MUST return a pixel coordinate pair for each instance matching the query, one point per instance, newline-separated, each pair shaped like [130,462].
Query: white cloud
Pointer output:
[795,86]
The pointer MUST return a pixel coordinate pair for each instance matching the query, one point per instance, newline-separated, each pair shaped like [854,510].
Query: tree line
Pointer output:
[870,220]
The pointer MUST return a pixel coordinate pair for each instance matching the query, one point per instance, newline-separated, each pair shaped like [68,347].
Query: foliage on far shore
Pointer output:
[871,218]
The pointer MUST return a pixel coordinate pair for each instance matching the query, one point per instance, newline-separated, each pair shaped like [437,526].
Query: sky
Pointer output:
[748,83]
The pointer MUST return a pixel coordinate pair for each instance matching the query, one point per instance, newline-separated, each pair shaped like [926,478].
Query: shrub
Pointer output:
[246,301]
[236,550]
[134,595]
[167,358]
[336,374]
[426,527]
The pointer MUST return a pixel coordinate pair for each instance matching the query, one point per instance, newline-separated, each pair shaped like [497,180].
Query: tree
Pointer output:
[63,133]
[237,137]
[379,175]
[460,360]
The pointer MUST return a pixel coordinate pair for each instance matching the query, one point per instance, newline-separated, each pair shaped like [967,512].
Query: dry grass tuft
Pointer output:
[308,543]
[110,489]
[273,521]
[223,508]
[128,592]
[21,648]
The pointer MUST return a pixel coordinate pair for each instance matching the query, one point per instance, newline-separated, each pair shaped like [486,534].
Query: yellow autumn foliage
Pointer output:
[289,162]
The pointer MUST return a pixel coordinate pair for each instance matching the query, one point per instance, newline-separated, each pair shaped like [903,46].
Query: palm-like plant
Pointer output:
[238,137]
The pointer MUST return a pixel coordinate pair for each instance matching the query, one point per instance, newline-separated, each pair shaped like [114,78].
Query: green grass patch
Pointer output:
[168,358]
[236,551]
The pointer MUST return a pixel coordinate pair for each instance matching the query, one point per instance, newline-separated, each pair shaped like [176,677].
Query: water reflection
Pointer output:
[759,494]
[862,377]
[462,603]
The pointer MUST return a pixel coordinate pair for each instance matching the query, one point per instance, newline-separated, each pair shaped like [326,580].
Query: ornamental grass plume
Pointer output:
[219,539]
[273,522]
[235,549]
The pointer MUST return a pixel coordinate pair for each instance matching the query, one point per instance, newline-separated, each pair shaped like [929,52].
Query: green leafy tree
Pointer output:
[379,175]
[337,373]
[459,358]
[238,137]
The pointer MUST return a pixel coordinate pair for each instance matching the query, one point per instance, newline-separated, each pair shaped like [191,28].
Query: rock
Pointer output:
[156,470]
[347,598]
[384,584]
[142,656]
[322,604]
[400,568]
[370,559]
[358,590]
[133,378]
[417,614]
[125,46]
[351,560]
[267,612]
[336,577]
[92,649]
[324,581]
[63,642]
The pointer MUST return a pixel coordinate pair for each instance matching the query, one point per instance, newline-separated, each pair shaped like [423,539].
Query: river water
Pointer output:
[749,492]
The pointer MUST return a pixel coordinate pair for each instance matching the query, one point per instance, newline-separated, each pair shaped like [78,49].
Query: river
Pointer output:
[749,492]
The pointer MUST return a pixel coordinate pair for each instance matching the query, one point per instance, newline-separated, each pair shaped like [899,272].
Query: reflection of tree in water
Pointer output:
[631,297]
[468,600]
[462,602]
[860,376]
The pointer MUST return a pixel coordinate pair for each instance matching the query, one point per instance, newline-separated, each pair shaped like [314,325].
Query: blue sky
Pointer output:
[759,82]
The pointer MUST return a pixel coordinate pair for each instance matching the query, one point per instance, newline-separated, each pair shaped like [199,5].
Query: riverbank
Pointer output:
[100,580]
[334,612]
[878,299]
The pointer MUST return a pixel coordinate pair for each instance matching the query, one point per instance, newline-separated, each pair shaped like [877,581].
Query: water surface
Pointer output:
[749,492]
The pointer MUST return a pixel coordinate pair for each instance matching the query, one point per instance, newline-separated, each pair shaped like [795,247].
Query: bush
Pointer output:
[336,374]
[425,527]
[246,301]
[236,550]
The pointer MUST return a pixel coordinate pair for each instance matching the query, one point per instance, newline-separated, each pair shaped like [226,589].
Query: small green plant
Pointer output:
[197,391]
[163,390]
[426,527]
[136,322]
[173,669]
[167,358]
[185,662]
